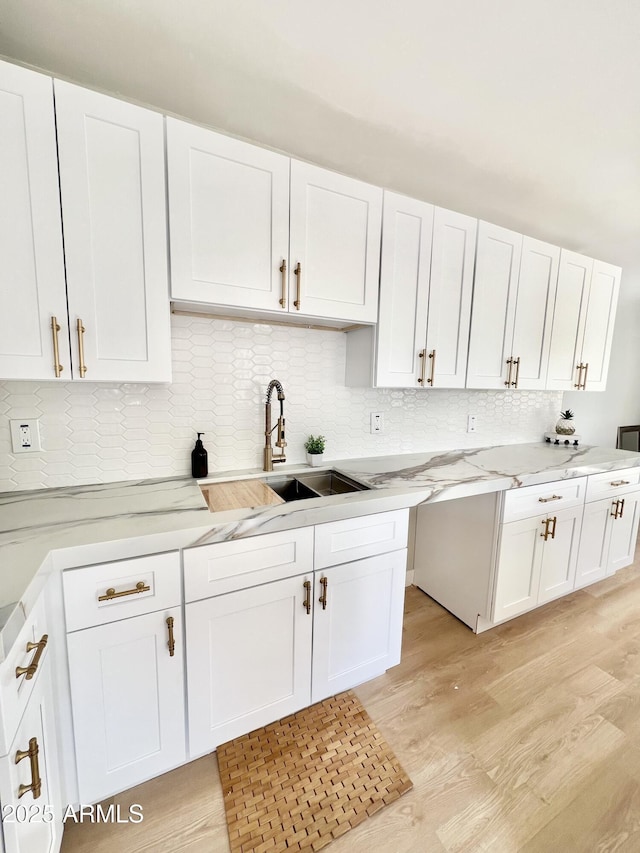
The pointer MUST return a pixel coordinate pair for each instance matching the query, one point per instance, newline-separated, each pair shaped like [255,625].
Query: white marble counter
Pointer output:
[50,530]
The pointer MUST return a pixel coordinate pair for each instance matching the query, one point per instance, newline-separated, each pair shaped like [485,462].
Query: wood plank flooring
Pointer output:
[525,738]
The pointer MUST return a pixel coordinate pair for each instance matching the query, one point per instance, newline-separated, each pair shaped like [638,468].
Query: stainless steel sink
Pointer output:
[316,484]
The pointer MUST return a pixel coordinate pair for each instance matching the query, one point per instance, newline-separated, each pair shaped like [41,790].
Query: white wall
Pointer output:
[93,432]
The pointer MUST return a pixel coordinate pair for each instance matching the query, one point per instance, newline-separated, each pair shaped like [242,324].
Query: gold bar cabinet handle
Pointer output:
[111,593]
[545,534]
[552,498]
[584,381]
[432,372]
[55,328]
[516,361]
[171,643]
[508,380]
[323,595]
[423,366]
[307,597]
[36,782]
[553,529]
[298,272]
[579,368]
[81,330]
[614,507]
[621,507]
[283,292]
[620,483]
[30,670]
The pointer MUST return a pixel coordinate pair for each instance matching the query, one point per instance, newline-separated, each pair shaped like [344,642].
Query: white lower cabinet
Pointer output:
[248,660]
[537,561]
[29,779]
[357,622]
[609,535]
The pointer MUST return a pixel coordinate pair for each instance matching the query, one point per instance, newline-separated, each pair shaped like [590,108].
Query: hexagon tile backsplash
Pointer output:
[98,432]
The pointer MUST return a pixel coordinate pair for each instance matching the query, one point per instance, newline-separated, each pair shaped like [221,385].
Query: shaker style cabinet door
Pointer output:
[560,555]
[404,291]
[334,253]
[494,306]
[127,695]
[228,219]
[32,285]
[518,568]
[599,324]
[112,186]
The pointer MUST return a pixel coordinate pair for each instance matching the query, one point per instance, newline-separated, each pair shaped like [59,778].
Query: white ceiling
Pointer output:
[525,113]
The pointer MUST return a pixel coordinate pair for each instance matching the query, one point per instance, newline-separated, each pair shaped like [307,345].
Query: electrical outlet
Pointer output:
[471,423]
[377,423]
[25,435]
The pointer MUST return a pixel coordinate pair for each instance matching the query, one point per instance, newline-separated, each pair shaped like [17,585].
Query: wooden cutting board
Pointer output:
[239,494]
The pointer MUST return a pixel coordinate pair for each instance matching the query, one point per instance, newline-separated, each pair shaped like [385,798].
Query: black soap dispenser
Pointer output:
[199,459]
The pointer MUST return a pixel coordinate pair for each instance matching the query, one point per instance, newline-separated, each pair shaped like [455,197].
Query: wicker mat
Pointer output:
[301,782]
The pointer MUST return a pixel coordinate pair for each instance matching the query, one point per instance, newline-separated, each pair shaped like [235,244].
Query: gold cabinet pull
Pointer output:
[30,670]
[508,379]
[432,371]
[298,272]
[620,483]
[55,328]
[621,507]
[516,361]
[171,643]
[614,508]
[307,596]
[36,783]
[423,366]
[545,533]
[552,498]
[283,291]
[579,368]
[81,330]
[111,593]
[584,381]
[552,532]
[323,594]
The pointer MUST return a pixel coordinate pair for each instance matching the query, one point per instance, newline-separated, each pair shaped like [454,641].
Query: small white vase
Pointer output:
[315,459]
[565,427]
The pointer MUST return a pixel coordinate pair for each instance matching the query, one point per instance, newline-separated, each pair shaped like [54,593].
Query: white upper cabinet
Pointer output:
[583,322]
[228,219]
[334,245]
[515,287]
[32,286]
[250,228]
[426,279]
[111,156]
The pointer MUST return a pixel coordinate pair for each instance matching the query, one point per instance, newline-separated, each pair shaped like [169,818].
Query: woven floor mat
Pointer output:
[301,782]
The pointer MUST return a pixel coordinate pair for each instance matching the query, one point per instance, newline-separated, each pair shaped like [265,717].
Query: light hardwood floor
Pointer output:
[525,738]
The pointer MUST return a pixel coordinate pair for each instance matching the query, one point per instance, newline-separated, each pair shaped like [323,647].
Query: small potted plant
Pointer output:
[314,446]
[565,425]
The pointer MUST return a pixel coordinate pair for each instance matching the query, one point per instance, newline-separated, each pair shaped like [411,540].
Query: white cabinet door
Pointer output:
[560,554]
[593,553]
[357,624]
[248,660]
[494,305]
[127,693]
[569,317]
[32,823]
[624,532]
[111,156]
[599,324]
[32,285]
[518,568]
[228,219]
[450,287]
[534,313]
[404,291]
[334,250]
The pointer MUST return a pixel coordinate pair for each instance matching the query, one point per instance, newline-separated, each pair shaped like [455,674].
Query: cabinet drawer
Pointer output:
[15,690]
[355,538]
[549,497]
[227,566]
[95,595]
[612,483]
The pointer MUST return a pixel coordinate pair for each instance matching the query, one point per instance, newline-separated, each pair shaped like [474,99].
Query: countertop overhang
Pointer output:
[46,531]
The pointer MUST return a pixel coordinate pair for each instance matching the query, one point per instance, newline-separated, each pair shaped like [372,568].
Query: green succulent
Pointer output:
[567,415]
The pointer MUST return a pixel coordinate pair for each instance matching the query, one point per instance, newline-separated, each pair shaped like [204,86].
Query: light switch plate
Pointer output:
[25,435]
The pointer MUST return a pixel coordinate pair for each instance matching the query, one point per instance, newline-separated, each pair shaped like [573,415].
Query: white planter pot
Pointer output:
[315,459]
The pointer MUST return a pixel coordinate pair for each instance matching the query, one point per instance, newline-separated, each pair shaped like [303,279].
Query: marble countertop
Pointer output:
[49,530]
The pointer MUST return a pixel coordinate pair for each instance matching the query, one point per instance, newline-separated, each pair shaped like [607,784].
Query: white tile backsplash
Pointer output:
[97,432]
